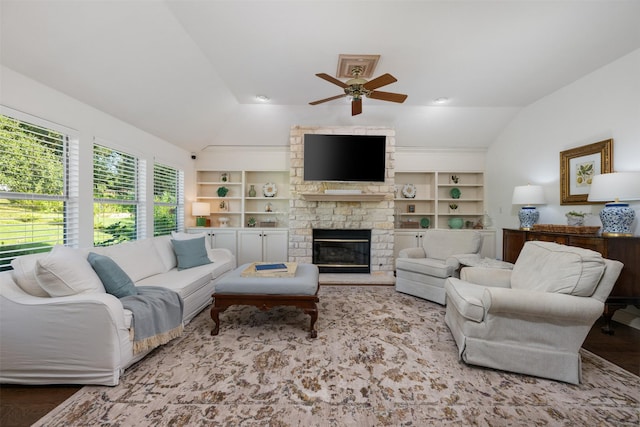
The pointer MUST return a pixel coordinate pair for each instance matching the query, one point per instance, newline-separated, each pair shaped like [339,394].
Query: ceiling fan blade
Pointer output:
[356,106]
[333,80]
[388,96]
[320,101]
[383,80]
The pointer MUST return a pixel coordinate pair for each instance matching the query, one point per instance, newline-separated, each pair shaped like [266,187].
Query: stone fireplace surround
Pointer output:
[374,215]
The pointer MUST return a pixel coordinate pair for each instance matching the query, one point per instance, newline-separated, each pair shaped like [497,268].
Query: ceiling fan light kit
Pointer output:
[357,87]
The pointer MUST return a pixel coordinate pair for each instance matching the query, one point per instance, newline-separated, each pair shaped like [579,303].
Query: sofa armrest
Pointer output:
[494,277]
[544,305]
[412,253]
[75,339]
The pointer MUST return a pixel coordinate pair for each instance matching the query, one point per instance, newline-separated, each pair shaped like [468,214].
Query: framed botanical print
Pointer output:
[578,166]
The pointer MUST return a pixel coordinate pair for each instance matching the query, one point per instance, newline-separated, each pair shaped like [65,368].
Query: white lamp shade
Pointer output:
[200,209]
[528,195]
[618,186]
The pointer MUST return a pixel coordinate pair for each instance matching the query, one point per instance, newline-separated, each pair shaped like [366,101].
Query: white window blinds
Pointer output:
[118,196]
[38,186]
[168,199]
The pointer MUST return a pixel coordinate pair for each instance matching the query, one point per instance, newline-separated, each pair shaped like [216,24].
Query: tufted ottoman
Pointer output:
[266,292]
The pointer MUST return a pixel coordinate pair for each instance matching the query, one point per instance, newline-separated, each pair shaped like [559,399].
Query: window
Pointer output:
[38,186]
[118,196]
[168,200]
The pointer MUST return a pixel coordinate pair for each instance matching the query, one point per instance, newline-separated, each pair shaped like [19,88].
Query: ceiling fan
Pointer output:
[358,87]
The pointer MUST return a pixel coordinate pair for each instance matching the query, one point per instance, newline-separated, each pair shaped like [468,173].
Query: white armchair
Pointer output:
[532,319]
[423,271]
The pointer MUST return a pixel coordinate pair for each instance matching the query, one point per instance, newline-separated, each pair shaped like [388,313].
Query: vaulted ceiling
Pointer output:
[189,71]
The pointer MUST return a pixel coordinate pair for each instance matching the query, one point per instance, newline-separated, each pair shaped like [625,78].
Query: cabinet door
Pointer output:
[249,246]
[223,239]
[512,243]
[488,249]
[407,239]
[275,246]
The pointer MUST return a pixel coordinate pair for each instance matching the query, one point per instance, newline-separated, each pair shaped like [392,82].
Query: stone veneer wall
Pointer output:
[376,216]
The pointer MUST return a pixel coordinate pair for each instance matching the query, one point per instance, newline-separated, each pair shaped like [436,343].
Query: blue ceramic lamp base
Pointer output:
[617,219]
[528,216]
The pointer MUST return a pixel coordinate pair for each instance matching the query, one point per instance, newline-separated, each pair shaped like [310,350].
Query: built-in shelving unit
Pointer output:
[433,197]
[238,206]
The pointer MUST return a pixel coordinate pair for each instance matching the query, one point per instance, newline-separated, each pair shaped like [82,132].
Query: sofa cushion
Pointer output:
[165,250]
[441,244]
[113,278]
[24,274]
[65,271]
[428,266]
[184,282]
[190,253]
[551,267]
[139,258]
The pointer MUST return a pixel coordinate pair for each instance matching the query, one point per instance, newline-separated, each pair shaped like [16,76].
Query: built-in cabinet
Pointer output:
[248,244]
[414,238]
[268,206]
[437,198]
[262,245]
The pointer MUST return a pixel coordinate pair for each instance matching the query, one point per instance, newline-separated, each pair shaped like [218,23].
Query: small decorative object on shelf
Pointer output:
[424,223]
[456,223]
[411,208]
[576,218]
[455,193]
[409,191]
[469,224]
[269,190]
[224,207]
[222,191]
[251,222]
[486,220]
[453,207]
[224,221]
[224,177]
[268,207]
[252,191]
[455,179]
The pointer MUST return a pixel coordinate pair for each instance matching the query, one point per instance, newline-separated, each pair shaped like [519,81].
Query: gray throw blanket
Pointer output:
[157,316]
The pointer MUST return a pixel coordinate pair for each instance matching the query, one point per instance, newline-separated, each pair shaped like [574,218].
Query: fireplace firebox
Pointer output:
[342,251]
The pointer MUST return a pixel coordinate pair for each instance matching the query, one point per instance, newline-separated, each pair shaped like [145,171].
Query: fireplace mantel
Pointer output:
[323,197]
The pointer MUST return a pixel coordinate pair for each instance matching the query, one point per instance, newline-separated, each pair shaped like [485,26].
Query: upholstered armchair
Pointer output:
[532,319]
[423,271]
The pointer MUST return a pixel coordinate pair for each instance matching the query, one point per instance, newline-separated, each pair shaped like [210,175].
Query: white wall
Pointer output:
[25,95]
[604,104]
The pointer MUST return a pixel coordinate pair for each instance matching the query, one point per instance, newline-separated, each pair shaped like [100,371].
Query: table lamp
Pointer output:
[200,210]
[616,187]
[528,195]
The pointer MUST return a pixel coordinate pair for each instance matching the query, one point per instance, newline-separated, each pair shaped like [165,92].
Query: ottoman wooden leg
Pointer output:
[215,315]
[313,313]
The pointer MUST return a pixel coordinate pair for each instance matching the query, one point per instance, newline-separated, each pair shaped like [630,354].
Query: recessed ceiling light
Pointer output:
[440,101]
[262,98]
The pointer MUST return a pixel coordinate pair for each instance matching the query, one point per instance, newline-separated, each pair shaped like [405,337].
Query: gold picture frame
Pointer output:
[577,168]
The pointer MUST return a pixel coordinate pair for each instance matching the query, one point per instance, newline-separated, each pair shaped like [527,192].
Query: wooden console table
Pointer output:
[624,249]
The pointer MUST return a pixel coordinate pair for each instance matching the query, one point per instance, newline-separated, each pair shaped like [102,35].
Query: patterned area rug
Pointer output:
[381,359]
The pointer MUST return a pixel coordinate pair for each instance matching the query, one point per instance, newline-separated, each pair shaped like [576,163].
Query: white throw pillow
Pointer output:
[187,236]
[138,258]
[66,271]
[24,274]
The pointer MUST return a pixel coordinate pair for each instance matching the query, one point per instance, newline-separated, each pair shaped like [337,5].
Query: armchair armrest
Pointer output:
[523,303]
[494,277]
[412,253]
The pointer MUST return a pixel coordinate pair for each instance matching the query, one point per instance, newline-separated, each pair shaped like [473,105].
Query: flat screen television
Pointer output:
[344,157]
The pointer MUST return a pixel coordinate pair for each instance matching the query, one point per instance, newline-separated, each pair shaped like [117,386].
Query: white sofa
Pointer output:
[85,338]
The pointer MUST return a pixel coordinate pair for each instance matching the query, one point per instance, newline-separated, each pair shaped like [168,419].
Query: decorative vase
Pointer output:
[456,223]
[222,191]
[252,191]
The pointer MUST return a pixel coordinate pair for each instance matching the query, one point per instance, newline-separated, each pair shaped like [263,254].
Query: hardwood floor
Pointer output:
[23,405]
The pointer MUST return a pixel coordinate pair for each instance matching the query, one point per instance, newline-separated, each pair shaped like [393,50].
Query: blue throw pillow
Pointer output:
[115,281]
[190,253]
